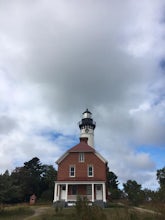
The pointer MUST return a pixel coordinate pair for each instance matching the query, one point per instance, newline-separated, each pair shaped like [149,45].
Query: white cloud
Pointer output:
[58,58]
[142,107]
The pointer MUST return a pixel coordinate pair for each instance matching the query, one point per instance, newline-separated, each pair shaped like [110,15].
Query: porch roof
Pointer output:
[79,182]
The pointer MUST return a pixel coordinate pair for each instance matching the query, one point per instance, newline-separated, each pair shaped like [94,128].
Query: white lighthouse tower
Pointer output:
[87,126]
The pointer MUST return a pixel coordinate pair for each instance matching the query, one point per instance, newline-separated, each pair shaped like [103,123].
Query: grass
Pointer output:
[15,212]
[113,212]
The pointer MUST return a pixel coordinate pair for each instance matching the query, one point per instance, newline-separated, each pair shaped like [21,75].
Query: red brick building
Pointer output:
[82,170]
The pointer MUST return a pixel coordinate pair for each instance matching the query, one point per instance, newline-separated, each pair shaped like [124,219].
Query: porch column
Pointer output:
[55,192]
[66,196]
[104,193]
[93,196]
[58,192]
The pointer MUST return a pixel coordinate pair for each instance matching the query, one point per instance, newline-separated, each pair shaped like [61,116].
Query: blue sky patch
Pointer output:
[162,64]
[156,153]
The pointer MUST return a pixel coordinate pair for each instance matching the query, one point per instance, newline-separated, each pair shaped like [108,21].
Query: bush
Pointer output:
[86,212]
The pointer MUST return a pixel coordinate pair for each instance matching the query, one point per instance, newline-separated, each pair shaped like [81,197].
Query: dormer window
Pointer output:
[81,157]
[72,171]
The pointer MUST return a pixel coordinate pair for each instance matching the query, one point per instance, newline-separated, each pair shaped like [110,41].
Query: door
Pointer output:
[63,192]
[99,194]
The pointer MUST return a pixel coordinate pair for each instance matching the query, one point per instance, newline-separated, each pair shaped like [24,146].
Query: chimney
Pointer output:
[84,139]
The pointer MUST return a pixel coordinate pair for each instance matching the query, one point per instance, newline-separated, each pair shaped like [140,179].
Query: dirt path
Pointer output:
[38,211]
[145,210]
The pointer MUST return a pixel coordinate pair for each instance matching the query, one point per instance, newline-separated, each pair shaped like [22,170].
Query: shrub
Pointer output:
[86,212]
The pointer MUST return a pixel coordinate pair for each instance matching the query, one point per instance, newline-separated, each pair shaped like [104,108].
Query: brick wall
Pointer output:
[81,168]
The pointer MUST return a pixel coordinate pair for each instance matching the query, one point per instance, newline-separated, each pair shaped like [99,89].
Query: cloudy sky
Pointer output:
[58,58]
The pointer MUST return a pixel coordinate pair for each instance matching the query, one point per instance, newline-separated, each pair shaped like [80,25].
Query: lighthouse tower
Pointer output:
[87,126]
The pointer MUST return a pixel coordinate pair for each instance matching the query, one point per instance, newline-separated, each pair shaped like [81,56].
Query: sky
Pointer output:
[58,58]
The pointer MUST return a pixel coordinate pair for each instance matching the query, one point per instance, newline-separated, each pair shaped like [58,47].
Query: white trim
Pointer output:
[55,192]
[62,157]
[79,182]
[93,193]
[58,194]
[104,193]
[101,157]
[66,189]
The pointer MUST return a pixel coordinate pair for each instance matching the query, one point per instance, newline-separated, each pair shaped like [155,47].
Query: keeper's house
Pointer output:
[82,171]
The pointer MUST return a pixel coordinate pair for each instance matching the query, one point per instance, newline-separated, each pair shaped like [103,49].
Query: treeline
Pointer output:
[133,192]
[37,178]
[33,177]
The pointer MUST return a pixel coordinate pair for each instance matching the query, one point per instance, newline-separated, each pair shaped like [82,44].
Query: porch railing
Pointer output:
[74,197]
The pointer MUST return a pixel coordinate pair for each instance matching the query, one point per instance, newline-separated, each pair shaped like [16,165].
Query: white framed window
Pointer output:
[90,171]
[72,171]
[81,157]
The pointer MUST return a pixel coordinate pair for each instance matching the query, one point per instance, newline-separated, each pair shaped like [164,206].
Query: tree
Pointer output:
[133,191]
[149,195]
[28,177]
[112,180]
[33,170]
[161,177]
[9,192]
[112,184]
[4,179]
[33,177]
[49,175]
[47,184]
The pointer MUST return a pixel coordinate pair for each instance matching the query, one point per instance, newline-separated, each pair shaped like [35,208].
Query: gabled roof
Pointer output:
[81,147]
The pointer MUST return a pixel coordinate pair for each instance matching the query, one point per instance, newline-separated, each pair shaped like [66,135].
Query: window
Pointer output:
[74,190]
[89,189]
[90,170]
[72,171]
[98,187]
[81,157]
[63,187]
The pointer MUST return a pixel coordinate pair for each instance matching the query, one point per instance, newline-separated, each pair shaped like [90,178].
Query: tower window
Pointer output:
[81,157]
[72,171]
[90,171]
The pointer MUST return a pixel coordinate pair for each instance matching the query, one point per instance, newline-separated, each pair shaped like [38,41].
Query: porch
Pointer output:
[68,191]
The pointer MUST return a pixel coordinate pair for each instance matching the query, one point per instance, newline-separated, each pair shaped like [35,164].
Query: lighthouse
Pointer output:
[87,127]
[82,170]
